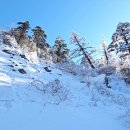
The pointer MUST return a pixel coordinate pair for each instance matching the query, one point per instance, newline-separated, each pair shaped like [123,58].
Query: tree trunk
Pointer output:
[86,56]
[106,56]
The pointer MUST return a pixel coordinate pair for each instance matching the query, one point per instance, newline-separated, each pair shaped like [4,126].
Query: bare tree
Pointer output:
[82,50]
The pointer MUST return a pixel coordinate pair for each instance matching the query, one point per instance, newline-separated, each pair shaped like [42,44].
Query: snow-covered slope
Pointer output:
[39,96]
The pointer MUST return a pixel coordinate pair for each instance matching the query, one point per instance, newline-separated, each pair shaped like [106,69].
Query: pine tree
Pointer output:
[40,36]
[22,30]
[60,50]
[121,39]
[20,33]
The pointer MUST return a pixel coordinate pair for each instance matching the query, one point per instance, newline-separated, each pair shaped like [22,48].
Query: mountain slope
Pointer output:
[46,96]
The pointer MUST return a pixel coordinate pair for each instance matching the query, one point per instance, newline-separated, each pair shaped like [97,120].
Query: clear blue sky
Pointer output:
[91,18]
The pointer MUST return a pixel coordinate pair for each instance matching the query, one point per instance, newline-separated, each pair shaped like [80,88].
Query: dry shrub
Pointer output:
[52,89]
[107,70]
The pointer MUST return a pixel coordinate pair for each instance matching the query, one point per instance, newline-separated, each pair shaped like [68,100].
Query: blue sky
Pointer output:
[90,18]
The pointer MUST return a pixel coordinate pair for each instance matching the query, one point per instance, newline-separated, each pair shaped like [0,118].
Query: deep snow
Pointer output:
[23,106]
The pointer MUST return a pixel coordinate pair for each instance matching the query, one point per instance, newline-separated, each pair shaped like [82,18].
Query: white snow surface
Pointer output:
[27,103]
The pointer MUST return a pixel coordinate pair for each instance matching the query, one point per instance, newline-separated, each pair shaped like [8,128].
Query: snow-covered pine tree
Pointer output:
[60,50]
[23,29]
[39,37]
[121,39]
[121,43]
[20,33]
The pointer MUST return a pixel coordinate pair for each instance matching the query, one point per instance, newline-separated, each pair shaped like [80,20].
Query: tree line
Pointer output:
[59,51]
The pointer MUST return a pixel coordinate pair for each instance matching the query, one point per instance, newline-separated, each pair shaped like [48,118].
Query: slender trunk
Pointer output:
[86,56]
[129,50]
[106,56]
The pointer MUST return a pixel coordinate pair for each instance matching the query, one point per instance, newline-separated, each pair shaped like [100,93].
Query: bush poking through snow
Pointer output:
[53,88]
[56,89]
[120,100]
[102,90]
[72,68]
[101,93]
[107,70]
[39,85]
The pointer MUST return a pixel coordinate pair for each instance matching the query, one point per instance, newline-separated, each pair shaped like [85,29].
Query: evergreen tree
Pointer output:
[22,30]
[121,39]
[60,50]
[20,33]
[40,39]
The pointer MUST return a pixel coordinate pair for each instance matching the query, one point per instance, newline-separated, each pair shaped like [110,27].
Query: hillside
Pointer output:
[42,96]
